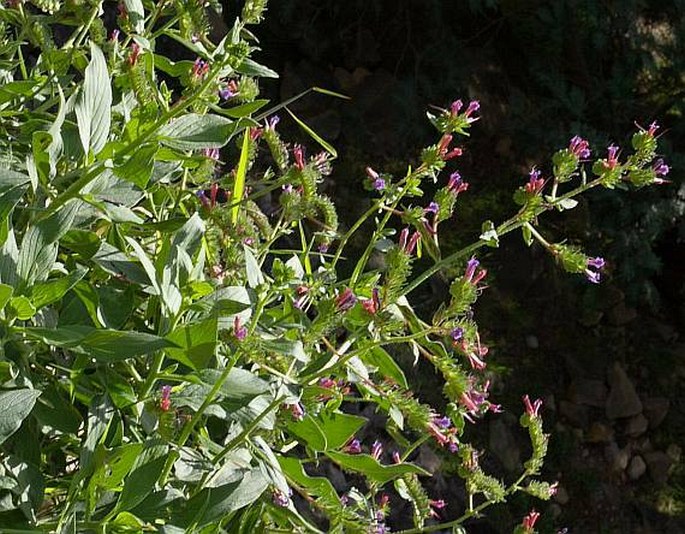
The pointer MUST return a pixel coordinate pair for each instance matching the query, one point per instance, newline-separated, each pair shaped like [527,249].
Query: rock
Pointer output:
[561,496]
[636,425]
[532,342]
[589,392]
[574,414]
[623,400]
[616,457]
[655,410]
[636,468]
[503,445]
[621,314]
[429,460]
[599,433]
[658,464]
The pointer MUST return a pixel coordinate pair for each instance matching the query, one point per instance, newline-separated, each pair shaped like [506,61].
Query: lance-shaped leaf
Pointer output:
[15,405]
[94,103]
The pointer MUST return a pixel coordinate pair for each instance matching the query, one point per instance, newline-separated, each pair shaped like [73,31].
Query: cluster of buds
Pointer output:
[134,55]
[298,154]
[209,198]
[566,161]
[281,499]
[528,524]
[445,151]
[297,410]
[453,119]
[579,147]
[456,185]
[575,261]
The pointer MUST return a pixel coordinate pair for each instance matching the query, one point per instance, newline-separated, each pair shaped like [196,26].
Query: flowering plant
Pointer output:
[181,351]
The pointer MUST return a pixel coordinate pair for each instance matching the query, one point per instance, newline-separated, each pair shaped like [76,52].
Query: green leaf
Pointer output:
[324,144]
[138,168]
[317,486]
[84,243]
[9,199]
[135,14]
[15,406]
[239,385]
[195,132]
[372,469]
[102,344]
[309,431]
[144,475]
[45,293]
[211,504]
[241,172]
[339,427]
[94,103]
[21,308]
[5,294]
[379,358]
[245,110]
[196,342]
[527,235]
[55,411]
[254,273]
[252,68]
[10,91]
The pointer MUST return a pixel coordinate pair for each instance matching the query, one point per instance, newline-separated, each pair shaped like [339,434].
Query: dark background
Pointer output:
[543,72]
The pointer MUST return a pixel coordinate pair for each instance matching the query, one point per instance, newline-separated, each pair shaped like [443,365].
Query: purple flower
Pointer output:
[114,36]
[272,121]
[653,128]
[433,207]
[200,68]
[379,184]
[443,422]
[353,447]
[225,93]
[594,263]
[211,153]
[297,411]
[471,267]
[280,499]
[203,199]
[456,185]
[239,330]
[474,105]
[532,408]
[457,333]
[660,168]
[612,157]
[535,183]
[456,107]
[376,450]
[345,300]
[396,457]
[579,147]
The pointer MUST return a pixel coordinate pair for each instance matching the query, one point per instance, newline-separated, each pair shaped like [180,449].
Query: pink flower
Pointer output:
[298,153]
[373,304]
[532,408]
[653,128]
[376,450]
[353,447]
[456,185]
[345,300]
[535,183]
[165,401]
[444,148]
[529,521]
[239,331]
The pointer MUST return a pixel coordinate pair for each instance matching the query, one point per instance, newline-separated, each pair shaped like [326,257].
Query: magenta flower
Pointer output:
[436,505]
[532,408]
[298,153]
[470,274]
[444,148]
[612,157]
[456,107]
[653,128]
[353,447]
[165,401]
[579,147]
[373,304]
[529,521]
[474,106]
[535,183]
[396,457]
[297,411]
[406,243]
[456,185]
[200,68]
[660,169]
[376,450]
[345,300]
[114,36]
